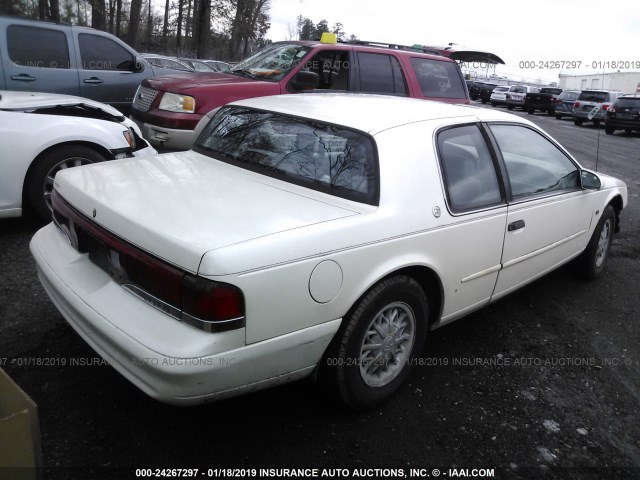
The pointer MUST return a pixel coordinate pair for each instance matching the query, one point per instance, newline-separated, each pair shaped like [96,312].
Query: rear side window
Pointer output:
[438,79]
[328,158]
[628,102]
[469,173]
[380,73]
[37,47]
[101,53]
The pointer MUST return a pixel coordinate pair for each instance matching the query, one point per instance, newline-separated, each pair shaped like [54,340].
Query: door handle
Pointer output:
[23,77]
[93,80]
[517,225]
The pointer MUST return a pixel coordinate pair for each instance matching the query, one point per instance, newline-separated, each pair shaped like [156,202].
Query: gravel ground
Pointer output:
[542,384]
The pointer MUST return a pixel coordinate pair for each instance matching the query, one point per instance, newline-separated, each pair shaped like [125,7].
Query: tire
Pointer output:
[578,121]
[494,104]
[551,112]
[608,130]
[592,261]
[531,111]
[627,131]
[39,183]
[366,377]
[596,123]
[558,117]
[509,107]
[483,101]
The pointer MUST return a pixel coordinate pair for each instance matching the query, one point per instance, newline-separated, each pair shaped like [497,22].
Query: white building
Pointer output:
[628,82]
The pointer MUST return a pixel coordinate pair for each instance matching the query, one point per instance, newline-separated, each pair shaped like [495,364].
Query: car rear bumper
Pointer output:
[584,115]
[168,360]
[622,123]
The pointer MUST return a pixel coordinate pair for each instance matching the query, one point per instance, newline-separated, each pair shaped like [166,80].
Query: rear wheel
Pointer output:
[627,131]
[551,112]
[578,121]
[509,107]
[531,111]
[608,130]
[596,123]
[380,343]
[39,183]
[558,117]
[592,261]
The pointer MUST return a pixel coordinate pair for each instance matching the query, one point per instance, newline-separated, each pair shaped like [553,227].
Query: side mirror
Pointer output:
[590,181]
[305,80]
[138,64]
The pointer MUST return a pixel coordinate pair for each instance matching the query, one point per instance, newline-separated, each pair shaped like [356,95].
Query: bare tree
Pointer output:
[134,23]
[203,31]
[54,14]
[165,25]
[97,14]
[118,16]
[179,26]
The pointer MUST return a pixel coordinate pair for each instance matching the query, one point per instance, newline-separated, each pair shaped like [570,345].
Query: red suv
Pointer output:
[168,108]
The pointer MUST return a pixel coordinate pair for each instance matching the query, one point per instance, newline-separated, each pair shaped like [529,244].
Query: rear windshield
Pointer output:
[628,102]
[439,79]
[518,89]
[569,96]
[598,97]
[501,89]
[328,158]
[554,91]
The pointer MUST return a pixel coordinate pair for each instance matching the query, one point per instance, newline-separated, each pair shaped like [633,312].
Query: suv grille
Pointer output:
[144,97]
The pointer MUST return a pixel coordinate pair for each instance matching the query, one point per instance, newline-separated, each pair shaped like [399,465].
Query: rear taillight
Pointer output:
[606,106]
[211,305]
[612,108]
[205,304]
[576,105]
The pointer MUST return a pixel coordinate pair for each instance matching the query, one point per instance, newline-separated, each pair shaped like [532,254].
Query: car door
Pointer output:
[548,216]
[40,59]
[475,234]
[107,69]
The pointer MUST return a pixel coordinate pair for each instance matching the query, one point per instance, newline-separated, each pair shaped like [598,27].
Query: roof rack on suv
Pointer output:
[393,46]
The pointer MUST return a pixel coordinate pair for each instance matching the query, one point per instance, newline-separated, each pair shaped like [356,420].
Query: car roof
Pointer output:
[370,113]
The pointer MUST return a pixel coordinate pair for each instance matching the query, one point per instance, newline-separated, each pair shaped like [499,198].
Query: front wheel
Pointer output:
[39,184]
[509,107]
[592,261]
[608,130]
[531,111]
[578,121]
[381,341]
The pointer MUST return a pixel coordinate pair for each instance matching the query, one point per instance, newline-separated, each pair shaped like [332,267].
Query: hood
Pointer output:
[179,206]
[25,101]
[182,82]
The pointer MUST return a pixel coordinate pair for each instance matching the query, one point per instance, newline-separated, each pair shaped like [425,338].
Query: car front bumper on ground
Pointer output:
[169,138]
[165,358]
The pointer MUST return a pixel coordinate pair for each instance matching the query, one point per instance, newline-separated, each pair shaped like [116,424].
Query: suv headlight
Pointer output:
[173,102]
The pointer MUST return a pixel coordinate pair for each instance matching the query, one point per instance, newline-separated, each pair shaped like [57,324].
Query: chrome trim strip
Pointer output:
[542,250]
[153,301]
[481,273]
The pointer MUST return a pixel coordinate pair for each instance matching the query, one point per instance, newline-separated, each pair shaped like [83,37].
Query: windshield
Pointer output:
[328,158]
[273,62]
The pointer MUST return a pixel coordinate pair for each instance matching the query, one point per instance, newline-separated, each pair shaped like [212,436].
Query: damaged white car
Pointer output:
[43,133]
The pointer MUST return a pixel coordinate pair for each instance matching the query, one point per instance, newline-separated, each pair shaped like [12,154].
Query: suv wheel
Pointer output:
[578,121]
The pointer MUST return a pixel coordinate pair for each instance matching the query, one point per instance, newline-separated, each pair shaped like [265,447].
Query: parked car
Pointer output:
[480,90]
[588,100]
[218,66]
[167,109]
[499,96]
[624,114]
[198,65]
[44,133]
[516,94]
[310,234]
[485,90]
[40,56]
[544,100]
[564,103]
[168,62]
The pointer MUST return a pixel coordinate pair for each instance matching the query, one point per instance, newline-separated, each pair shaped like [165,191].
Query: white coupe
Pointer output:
[317,233]
[42,133]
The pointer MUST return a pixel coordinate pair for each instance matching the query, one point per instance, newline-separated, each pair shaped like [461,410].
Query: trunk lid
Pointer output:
[178,206]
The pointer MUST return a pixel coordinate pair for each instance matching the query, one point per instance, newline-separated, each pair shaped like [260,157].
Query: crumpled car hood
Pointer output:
[25,101]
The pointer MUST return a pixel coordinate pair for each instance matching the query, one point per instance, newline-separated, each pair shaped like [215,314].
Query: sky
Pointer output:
[588,35]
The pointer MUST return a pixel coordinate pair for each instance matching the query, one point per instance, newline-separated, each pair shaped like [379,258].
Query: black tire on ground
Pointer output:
[39,182]
[558,117]
[551,112]
[596,123]
[483,101]
[592,261]
[578,121]
[494,104]
[380,342]
[531,111]
[509,107]
[627,131]
[608,130]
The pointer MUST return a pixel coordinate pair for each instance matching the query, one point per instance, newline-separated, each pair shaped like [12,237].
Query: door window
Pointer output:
[37,47]
[332,68]
[534,164]
[438,79]
[380,73]
[101,53]
[469,173]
